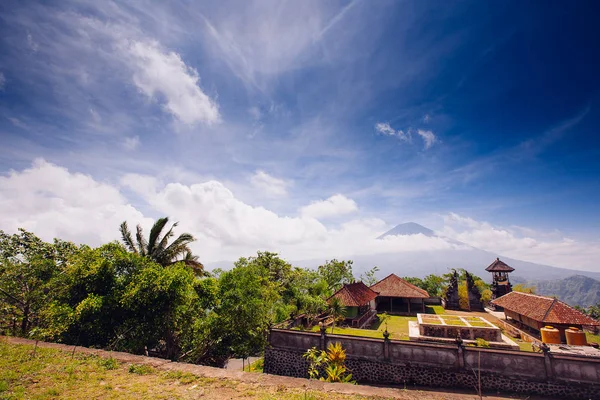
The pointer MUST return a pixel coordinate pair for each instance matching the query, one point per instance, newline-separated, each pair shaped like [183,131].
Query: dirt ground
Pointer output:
[230,384]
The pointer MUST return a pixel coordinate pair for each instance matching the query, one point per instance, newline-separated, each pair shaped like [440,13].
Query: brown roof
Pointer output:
[354,294]
[543,309]
[392,286]
[499,266]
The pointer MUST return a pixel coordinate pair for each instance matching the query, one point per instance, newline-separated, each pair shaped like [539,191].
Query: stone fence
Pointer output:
[385,361]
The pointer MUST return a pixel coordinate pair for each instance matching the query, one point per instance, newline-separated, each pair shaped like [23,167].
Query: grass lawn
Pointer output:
[523,346]
[592,338]
[397,327]
[435,310]
[53,374]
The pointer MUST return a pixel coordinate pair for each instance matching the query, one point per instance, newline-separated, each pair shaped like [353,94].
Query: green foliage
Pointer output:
[520,287]
[28,266]
[383,319]
[336,310]
[479,342]
[433,284]
[331,362]
[369,278]
[158,248]
[140,369]
[336,274]
[108,363]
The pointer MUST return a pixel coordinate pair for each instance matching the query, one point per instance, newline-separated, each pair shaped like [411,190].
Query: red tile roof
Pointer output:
[392,286]
[354,294]
[543,309]
[499,266]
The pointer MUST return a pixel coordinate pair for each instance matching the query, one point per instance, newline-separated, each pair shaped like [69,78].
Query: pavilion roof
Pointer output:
[543,309]
[354,294]
[499,266]
[393,286]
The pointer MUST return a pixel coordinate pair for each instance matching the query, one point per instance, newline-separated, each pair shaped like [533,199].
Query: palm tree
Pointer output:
[336,309]
[158,248]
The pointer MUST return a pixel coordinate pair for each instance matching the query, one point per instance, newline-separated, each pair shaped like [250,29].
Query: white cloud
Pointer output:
[269,184]
[158,73]
[428,137]
[53,202]
[385,129]
[227,228]
[131,143]
[335,205]
[523,243]
[426,118]
[2,81]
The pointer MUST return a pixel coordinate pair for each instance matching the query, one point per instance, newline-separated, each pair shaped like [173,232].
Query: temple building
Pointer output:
[359,301]
[500,283]
[397,296]
[534,312]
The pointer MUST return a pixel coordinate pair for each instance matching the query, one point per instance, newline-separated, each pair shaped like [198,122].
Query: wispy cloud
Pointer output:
[269,184]
[2,81]
[428,137]
[385,129]
[163,73]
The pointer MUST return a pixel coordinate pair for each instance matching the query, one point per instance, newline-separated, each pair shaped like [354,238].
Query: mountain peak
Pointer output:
[408,228]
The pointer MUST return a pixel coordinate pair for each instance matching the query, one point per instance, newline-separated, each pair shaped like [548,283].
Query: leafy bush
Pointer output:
[331,361]
[140,369]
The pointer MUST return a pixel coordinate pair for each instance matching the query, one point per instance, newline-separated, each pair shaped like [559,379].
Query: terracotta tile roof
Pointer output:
[354,294]
[392,286]
[499,266]
[543,309]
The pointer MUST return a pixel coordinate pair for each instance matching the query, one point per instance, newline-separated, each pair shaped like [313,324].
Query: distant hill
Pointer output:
[576,290]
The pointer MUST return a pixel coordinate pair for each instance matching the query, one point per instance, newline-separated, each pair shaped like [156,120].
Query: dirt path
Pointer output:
[270,380]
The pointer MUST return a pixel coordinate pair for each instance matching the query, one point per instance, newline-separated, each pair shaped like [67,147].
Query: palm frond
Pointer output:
[179,246]
[163,243]
[141,241]
[157,228]
[127,238]
[192,261]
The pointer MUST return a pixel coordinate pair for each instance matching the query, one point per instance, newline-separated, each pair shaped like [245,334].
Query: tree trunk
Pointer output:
[25,321]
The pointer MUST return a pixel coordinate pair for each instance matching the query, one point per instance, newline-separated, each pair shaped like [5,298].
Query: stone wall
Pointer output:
[379,361]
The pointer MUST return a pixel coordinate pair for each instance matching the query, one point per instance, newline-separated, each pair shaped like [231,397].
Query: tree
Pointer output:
[336,273]
[336,310]
[27,267]
[157,246]
[369,278]
[520,287]
[247,300]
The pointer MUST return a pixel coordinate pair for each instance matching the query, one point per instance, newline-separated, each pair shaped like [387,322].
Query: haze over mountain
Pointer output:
[420,263]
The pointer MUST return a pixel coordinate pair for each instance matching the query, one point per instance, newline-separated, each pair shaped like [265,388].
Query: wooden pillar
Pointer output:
[391,304]
[408,305]
[423,306]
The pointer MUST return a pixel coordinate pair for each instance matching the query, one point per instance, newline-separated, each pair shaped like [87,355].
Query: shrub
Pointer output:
[331,361]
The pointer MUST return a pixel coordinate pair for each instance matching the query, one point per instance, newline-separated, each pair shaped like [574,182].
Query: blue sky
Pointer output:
[477,119]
